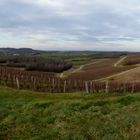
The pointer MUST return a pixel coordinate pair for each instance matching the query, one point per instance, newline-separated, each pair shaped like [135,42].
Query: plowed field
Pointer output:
[102,69]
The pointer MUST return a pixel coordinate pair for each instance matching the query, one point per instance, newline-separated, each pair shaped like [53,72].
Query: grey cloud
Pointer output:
[62,23]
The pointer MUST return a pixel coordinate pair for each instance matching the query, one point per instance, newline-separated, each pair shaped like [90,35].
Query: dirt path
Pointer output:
[118,63]
[115,75]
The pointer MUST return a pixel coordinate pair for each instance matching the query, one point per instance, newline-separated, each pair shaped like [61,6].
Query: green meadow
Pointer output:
[26,115]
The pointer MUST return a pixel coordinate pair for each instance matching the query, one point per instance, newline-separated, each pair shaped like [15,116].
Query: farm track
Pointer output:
[129,75]
[118,63]
[118,74]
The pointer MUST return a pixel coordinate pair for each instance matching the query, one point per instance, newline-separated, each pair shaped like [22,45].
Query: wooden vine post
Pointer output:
[17,82]
[86,87]
[53,85]
[133,88]
[107,87]
[90,84]
[124,87]
[65,83]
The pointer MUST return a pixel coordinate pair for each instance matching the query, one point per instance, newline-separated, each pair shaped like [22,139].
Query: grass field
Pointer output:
[76,58]
[26,115]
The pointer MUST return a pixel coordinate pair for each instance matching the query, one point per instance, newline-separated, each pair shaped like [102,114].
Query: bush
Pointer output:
[127,100]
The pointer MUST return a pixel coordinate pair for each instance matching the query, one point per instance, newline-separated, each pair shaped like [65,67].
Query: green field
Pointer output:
[76,58]
[26,115]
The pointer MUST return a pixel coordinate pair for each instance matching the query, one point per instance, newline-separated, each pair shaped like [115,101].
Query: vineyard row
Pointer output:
[39,81]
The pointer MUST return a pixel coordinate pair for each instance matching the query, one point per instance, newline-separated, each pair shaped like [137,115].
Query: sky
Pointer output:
[106,25]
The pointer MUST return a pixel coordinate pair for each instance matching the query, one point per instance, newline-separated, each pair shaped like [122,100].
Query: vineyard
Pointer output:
[101,69]
[44,82]
[132,60]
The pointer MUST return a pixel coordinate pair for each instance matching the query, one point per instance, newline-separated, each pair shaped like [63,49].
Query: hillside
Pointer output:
[38,116]
[19,51]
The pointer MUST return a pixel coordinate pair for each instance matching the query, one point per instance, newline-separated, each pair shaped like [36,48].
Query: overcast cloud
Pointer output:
[70,24]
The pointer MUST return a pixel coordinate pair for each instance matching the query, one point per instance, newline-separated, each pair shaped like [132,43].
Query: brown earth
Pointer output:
[99,70]
[132,76]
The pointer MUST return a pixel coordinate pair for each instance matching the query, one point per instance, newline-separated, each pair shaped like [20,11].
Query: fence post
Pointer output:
[124,87]
[53,85]
[65,83]
[133,88]
[107,87]
[34,83]
[17,82]
[86,87]
[91,88]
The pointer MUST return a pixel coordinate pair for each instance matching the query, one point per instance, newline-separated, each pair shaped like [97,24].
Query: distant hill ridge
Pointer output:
[19,51]
[32,51]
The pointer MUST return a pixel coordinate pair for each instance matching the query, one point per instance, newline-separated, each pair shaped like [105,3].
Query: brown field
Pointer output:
[100,70]
[132,60]
[131,75]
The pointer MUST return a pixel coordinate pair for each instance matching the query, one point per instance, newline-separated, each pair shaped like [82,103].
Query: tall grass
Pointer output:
[33,116]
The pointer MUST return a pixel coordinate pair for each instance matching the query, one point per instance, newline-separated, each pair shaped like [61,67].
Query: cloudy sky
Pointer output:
[70,24]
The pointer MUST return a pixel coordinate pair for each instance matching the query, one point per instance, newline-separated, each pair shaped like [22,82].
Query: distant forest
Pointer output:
[35,63]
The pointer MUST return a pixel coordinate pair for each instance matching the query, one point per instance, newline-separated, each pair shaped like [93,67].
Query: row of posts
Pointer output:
[86,84]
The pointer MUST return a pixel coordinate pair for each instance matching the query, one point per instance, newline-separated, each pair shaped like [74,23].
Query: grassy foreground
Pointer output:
[37,116]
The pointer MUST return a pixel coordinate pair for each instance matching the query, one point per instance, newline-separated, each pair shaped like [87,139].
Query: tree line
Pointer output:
[36,63]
